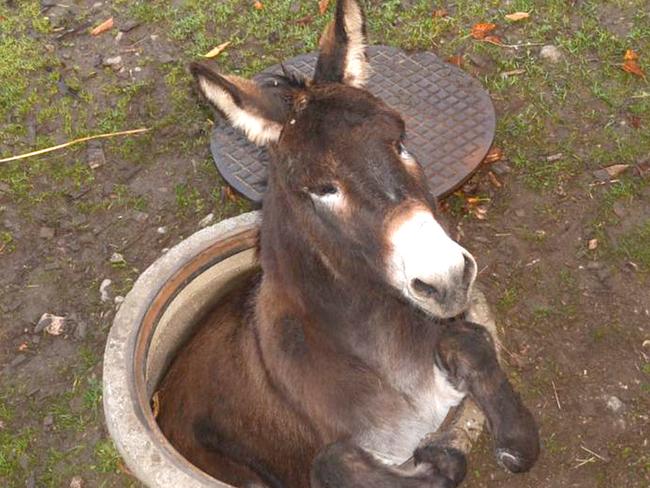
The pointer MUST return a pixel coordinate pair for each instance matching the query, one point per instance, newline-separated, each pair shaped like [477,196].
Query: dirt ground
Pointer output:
[563,246]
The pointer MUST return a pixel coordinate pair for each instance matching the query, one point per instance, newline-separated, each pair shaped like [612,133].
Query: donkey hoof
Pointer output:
[445,461]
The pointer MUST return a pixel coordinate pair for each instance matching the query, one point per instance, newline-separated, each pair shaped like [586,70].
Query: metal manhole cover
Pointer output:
[449,117]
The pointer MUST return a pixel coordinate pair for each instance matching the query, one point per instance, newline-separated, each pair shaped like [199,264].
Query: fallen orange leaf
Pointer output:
[456,60]
[493,40]
[258,5]
[217,50]
[103,27]
[322,6]
[494,180]
[631,66]
[229,193]
[480,30]
[630,55]
[494,154]
[517,16]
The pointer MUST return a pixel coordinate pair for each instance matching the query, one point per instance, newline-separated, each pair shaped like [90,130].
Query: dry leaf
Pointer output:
[155,404]
[472,200]
[517,16]
[493,40]
[494,180]
[635,121]
[513,72]
[258,5]
[103,27]
[229,193]
[616,169]
[322,6]
[480,213]
[593,244]
[631,66]
[480,30]
[456,60]
[441,12]
[217,50]
[23,347]
[630,55]
[494,154]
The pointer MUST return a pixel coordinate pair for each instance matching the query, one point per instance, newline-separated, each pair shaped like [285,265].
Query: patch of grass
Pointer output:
[188,199]
[508,299]
[13,447]
[7,244]
[106,457]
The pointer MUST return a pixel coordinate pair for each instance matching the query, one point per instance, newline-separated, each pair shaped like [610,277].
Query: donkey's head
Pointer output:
[341,171]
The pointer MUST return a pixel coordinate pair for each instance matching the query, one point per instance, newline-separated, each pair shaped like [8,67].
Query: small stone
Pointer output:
[95,155]
[77,482]
[46,233]
[161,230]
[520,213]
[114,62]
[48,421]
[52,324]
[103,290]
[129,25]
[594,265]
[500,168]
[117,258]
[551,53]
[601,175]
[614,404]
[207,220]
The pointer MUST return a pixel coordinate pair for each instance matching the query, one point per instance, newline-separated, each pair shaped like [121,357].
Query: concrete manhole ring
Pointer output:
[157,316]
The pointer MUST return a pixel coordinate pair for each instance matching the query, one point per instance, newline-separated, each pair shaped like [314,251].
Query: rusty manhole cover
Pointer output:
[450,120]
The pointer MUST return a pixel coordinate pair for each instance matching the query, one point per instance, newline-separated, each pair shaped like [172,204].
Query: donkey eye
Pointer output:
[324,190]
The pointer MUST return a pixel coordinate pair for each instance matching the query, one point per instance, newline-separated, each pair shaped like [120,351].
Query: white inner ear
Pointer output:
[356,64]
[259,130]
[332,201]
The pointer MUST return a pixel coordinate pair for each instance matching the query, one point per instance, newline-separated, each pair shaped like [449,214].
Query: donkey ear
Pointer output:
[343,57]
[259,110]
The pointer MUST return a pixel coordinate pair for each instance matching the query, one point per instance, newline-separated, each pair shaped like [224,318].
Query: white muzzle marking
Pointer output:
[421,256]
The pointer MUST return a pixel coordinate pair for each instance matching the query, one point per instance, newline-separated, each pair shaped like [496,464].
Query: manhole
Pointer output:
[449,117]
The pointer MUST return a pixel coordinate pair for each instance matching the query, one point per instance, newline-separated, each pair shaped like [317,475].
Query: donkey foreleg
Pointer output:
[345,465]
[466,353]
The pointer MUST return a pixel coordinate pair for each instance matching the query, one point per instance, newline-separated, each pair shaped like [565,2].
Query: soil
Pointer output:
[571,296]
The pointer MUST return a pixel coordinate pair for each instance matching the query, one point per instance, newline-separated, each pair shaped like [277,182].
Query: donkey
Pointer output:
[330,367]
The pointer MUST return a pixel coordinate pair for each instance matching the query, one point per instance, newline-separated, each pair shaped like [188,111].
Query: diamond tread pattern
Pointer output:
[449,117]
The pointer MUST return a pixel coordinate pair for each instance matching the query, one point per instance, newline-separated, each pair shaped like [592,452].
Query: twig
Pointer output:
[594,453]
[513,46]
[557,398]
[76,141]
[584,461]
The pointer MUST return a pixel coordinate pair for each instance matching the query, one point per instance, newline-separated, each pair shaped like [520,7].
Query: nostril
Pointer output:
[424,289]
